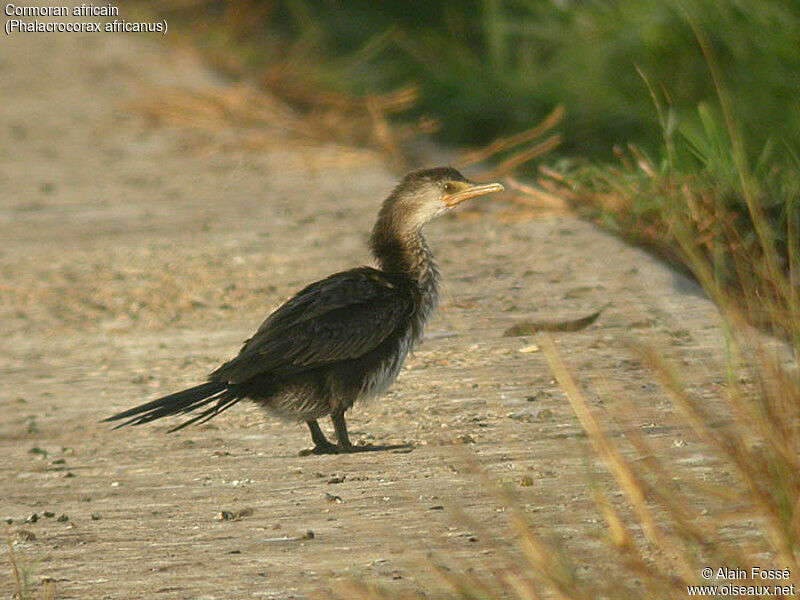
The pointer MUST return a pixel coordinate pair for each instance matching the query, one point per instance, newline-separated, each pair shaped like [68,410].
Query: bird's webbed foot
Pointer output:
[346,447]
[353,448]
[321,443]
[326,448]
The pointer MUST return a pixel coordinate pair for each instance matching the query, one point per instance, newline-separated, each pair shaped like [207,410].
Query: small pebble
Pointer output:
[62,519]
[229,515]
[32,518]
[529,349]
[49,514]
[332,498]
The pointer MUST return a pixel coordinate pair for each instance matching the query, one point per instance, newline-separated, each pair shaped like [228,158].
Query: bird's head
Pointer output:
[428,193]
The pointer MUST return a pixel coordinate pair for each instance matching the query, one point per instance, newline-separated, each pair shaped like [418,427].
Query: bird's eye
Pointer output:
[449,188]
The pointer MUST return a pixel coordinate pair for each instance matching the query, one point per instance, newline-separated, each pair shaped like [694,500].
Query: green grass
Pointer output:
[494,67]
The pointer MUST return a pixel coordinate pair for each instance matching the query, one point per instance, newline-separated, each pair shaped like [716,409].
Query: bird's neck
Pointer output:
[406,253]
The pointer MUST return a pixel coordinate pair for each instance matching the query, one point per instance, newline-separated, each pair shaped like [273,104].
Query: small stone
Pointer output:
[337,479]
[96,517]
[32,518]
[309,535]
[540,395]
[529,349]
[230,515]
[332,498]
[437,507]
[46,187]
[62,519]
[49,514]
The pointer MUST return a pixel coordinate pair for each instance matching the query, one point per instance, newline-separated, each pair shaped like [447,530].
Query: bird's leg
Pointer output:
[343,441]
[321,443]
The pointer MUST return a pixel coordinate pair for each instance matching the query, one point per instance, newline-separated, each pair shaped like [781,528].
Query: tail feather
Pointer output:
[185,401]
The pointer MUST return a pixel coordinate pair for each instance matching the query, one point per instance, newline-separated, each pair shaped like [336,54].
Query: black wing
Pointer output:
[339,318]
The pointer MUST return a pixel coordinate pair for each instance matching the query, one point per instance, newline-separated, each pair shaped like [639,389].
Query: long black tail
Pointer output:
[221,395]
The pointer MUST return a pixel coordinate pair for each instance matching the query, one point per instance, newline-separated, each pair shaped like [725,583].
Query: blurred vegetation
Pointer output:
[494,67]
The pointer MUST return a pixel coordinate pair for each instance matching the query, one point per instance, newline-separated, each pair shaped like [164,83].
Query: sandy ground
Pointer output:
[137,255]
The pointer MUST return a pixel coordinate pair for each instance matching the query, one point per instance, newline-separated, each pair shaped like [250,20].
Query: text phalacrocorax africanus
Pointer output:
[342,338]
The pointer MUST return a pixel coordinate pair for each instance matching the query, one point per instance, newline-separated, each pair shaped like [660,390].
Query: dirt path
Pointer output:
[136,256]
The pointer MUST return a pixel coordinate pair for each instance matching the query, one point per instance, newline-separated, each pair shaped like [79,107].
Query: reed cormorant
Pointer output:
[340,339]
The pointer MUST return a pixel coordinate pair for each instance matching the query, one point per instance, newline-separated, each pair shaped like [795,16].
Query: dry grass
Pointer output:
[21,573]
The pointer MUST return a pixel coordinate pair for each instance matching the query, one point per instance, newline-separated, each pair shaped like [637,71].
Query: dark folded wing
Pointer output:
[339,318]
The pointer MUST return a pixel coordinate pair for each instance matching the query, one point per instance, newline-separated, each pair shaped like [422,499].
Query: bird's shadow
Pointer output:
[358,449]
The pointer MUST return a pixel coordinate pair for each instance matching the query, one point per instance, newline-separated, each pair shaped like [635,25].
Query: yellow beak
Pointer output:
[472,191]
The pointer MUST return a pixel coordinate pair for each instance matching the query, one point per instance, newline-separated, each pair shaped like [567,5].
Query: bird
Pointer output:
[341,339]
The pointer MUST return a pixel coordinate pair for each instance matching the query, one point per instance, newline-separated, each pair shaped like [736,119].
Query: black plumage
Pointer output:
[342,338]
